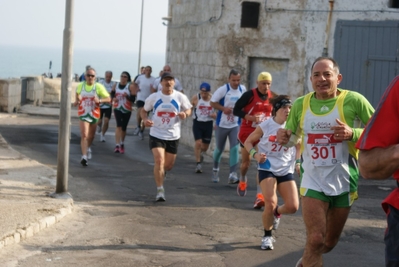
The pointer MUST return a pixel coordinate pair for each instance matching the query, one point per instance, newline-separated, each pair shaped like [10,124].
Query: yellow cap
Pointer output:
[264,76]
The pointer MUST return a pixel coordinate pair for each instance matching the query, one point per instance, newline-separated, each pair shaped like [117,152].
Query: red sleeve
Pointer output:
[383,128]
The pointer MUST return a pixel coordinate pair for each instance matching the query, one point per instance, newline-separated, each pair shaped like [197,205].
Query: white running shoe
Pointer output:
[215,176]
[84,162]
[89,155]
[160,195]
[198,169]
[267,243]
[136,131]
[102,138]
[233,179]
[276,222]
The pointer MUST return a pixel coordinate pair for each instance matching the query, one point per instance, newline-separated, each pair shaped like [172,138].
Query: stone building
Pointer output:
[207,38]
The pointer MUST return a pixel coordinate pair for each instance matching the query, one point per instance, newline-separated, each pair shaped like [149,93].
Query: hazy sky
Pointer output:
[98,24]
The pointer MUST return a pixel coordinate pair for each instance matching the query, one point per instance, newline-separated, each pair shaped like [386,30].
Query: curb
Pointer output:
[33,228]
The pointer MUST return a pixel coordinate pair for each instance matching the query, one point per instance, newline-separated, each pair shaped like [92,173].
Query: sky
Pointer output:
[97,24]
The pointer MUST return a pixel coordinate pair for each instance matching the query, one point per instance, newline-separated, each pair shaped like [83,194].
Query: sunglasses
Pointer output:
[123,76]
[91,75]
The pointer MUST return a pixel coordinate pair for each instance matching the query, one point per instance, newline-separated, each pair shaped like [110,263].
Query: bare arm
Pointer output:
[252,138]
[379,163]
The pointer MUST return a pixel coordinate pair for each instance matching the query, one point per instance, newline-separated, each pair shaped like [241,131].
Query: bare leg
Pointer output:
[323,228]
[268,186]
[84,133]
[245,161]
[105,125]
[197,150]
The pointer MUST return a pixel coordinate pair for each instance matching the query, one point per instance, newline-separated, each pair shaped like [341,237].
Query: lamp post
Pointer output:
[65,110]
[141,33]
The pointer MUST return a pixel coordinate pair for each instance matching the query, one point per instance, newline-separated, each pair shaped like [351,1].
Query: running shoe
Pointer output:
[259,202]
[136,131]
[242,188]
[198,169]
[141,135]
[276,222]
[89,153]
[233,179]
[102,138]
[122,149]
[84,162]
[267,243]
[299,263]
[215,176]
[116,150]
[160,195]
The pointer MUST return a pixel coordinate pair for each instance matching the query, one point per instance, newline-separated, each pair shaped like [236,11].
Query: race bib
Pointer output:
[324,150]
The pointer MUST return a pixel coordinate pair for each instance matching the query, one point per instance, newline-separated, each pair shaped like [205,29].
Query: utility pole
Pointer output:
[141,32]
[65,110]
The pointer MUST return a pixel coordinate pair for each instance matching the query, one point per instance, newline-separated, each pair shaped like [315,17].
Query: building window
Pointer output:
[394,3]
[250,15]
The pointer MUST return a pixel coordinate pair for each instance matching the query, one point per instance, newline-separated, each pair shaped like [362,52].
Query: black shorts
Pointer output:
[170,146]
[280,179]
[139,103]
[391,238]
[106,112]
[203,130]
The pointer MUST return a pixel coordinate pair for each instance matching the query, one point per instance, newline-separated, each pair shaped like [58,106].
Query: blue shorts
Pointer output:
[280,179]
[203,130]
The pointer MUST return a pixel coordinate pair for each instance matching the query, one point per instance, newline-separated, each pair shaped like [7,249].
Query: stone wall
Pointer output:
[10,95]
[39,91]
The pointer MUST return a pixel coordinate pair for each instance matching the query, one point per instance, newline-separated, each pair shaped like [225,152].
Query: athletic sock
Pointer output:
[268,233]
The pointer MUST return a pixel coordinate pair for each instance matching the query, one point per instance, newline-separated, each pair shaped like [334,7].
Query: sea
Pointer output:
[20,61]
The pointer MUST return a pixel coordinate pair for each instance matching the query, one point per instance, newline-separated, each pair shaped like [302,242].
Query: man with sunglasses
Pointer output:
[89,96]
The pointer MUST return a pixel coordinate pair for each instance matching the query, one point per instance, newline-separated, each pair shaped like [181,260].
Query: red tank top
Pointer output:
[257,106]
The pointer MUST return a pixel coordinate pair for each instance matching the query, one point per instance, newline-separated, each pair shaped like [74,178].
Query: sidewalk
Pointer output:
[25,185]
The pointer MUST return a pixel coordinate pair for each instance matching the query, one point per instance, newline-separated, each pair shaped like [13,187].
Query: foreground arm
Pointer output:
[379,163]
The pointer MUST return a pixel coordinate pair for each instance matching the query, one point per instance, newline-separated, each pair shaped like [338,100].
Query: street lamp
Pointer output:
[141,32]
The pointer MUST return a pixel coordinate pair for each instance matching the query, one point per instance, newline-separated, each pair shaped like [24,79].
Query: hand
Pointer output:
[342,131]
[182,115]
[260,157]
[148,123]
[213,115]
[256,118]
[227,110]
[283,136]
[298,169]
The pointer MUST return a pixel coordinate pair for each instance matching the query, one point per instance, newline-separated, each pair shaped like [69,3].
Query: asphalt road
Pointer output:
[116,221]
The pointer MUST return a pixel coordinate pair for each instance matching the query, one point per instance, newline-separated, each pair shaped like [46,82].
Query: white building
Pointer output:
[207,38]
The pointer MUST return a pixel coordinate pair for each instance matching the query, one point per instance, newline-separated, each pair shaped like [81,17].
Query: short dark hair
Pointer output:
[110,72]
[275,100]
[335,64]
[234,72]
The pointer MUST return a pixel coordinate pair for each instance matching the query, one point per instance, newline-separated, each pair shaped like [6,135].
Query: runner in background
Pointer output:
[89,96]
[202,123]
[105,108]
[253,107]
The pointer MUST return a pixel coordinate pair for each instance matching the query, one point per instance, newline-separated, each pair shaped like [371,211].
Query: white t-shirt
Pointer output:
[144,85]
[280,159]
[157,84]
[108,87]
[229,97]
[203,110]
[165,108]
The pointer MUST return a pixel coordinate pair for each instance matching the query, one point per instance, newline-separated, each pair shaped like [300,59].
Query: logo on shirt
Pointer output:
[320,126]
